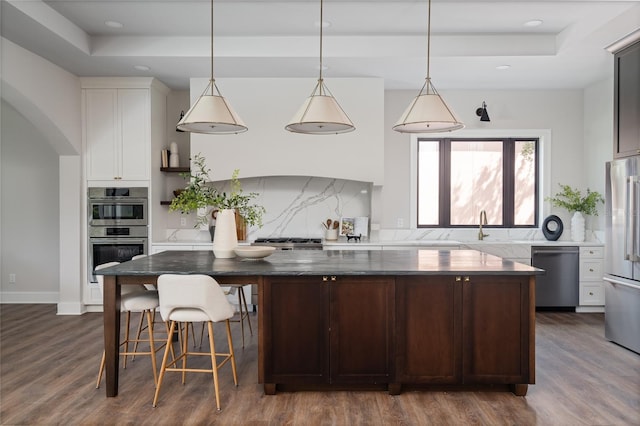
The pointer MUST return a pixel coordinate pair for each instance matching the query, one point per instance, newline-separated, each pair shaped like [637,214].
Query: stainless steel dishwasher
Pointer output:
[558,288]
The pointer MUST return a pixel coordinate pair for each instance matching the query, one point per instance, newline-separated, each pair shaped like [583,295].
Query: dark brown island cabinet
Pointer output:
[394,331]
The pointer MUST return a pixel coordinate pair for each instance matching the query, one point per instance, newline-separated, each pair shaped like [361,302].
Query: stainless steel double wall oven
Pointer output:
[118,225]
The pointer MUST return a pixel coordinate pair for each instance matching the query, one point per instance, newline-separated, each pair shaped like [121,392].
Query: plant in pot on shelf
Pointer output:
[572,200]
[232,211]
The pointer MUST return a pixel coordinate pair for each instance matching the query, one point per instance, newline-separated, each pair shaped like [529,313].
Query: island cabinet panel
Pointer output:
[362,313]
[465,330]
[496,330]
[327,330]
[296,330]
[428,330]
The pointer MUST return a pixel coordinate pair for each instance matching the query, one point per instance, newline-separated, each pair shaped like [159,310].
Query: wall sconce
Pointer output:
[482,112]
[181,117]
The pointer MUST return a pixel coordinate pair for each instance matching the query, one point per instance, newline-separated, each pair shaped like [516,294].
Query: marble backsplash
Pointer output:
[471,234]
[296,206]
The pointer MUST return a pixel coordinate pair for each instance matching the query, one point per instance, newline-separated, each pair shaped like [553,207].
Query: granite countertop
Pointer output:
[327,262]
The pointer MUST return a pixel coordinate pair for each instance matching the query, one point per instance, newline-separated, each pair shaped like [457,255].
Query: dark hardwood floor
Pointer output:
[49,363]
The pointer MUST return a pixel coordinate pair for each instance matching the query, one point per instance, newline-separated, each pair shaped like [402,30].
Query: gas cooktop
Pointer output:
[290,243]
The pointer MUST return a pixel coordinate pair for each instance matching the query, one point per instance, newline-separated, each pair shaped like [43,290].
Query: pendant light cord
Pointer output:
[321,26]
[429,40]
[212,79]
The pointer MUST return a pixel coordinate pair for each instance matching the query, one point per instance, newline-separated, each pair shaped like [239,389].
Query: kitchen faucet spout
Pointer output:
[483,221]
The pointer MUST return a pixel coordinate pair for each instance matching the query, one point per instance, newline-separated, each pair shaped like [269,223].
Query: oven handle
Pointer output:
[121,240]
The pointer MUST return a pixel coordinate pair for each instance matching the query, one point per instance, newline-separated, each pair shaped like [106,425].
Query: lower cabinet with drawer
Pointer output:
[591,273]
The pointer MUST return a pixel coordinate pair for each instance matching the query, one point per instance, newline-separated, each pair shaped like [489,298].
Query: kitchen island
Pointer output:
[379,319]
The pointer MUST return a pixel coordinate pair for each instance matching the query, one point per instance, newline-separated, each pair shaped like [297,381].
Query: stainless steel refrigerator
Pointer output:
[622,261]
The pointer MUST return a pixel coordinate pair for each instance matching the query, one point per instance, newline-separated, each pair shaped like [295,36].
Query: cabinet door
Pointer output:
[627,102]
[428,330]
[362,311]
[101,127]
[498,326]
[295,330]
[134,145]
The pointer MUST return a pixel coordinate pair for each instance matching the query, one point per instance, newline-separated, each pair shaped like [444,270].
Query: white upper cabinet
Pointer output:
[117,129]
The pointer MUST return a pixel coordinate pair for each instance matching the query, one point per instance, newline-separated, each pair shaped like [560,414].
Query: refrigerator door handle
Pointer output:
[632,235]
[619,282]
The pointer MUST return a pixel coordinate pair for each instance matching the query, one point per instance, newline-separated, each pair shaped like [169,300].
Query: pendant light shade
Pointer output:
[320,114]
[211,113]
[428,112]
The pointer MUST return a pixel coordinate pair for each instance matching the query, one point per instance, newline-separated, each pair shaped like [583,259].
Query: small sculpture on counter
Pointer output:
[355,238]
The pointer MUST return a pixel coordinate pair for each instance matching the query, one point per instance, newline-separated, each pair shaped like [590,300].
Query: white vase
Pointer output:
[225,238]
[577,227]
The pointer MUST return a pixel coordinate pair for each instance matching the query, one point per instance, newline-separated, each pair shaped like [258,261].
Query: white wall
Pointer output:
[30,213]
[598,140]
[560,111]
[48,98]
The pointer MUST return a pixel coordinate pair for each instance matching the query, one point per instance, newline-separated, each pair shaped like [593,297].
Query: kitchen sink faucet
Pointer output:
[483,221]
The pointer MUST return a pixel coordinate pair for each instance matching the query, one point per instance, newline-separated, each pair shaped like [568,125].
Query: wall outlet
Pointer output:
[12,278]
[183,221]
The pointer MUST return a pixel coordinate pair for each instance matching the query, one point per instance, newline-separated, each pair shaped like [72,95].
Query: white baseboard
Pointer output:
[29,297]
[71,308]
[590,309]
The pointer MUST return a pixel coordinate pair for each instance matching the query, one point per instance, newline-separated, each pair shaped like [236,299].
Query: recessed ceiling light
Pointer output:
[141,67]
[533,23]
[113,24]
[503,67]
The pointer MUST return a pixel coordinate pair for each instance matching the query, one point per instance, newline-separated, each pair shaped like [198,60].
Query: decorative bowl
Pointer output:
[254,252]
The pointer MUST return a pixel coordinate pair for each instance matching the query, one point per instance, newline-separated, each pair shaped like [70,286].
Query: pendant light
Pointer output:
[320,114]
[211,113]
[428,112]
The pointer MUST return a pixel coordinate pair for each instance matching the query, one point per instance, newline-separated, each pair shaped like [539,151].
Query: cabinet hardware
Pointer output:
[590,269]
[467,279]
[458,279]
[590,293]
[333,277]
[325,278]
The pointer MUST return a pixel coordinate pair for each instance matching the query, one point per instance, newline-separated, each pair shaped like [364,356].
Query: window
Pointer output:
[458,178]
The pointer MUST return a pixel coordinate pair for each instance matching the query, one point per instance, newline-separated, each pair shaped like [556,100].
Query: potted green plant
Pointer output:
[572,200]
[201,196]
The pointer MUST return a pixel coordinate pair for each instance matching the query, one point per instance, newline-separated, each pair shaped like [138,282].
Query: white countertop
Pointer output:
[404,243]
[436,243]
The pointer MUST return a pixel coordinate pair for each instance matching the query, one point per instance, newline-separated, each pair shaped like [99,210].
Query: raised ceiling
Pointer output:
[383,38]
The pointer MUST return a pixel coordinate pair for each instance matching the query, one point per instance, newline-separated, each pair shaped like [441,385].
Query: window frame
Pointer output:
[508,166]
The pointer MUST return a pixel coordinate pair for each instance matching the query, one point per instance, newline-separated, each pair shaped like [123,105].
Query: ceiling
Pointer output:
[373,38]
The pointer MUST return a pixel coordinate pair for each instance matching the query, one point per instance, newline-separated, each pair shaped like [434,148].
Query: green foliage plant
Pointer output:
[572,200]
[201,194]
